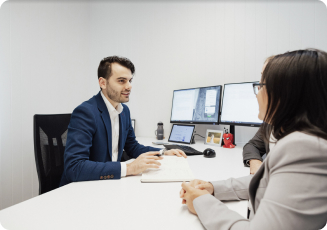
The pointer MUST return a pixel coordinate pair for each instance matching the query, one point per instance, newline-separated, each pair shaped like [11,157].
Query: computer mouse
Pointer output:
[209,153]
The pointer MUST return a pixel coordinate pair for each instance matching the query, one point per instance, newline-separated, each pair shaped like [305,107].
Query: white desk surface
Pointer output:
[125,203]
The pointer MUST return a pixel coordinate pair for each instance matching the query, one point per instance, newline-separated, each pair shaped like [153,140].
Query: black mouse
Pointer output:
[209,153]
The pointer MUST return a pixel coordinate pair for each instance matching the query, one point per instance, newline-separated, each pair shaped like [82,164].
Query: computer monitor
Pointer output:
[240,105]
[196,105]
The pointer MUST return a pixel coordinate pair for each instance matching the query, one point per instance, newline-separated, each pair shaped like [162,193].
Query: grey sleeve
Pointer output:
[232,189]
[255,148]
[291,201]
[212,212]
[295,196]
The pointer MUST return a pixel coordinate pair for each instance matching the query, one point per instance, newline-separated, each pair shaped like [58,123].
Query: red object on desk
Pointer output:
[228,140]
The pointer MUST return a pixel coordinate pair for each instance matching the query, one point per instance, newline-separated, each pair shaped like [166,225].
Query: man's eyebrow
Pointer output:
[124,78]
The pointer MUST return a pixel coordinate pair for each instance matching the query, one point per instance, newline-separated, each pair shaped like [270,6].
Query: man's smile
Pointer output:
[126,93]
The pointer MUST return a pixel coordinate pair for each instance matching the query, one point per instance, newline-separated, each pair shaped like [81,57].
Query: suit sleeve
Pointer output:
[232,189]
[212,212]
[255,148]
[77,165]
[295,197]
[132,147]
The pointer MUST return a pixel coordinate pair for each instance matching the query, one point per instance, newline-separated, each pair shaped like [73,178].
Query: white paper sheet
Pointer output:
[172,169]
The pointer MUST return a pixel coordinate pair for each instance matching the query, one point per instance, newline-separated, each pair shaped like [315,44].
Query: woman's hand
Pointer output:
[190,194]
[199,184]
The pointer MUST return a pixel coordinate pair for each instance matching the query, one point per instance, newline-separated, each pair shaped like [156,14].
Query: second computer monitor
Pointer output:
[196,105]
[240,105]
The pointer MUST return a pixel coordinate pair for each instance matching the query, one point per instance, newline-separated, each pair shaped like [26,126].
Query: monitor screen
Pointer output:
[197,105]
[181,133]
[240,105]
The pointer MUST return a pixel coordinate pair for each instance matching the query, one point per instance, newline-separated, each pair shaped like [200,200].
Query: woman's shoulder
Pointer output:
[297,148]
[301,139]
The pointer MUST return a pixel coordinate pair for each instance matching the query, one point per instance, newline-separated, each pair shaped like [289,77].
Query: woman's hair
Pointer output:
[296,84]
[269,58]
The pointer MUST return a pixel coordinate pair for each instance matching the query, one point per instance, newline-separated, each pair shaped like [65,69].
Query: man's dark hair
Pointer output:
[104,69]
[296,84]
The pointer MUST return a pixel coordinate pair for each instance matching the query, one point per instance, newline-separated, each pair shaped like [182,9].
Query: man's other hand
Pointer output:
[254,166]
[176,152]
[143,162]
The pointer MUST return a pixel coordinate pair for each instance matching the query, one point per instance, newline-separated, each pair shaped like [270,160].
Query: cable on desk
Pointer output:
[198,135]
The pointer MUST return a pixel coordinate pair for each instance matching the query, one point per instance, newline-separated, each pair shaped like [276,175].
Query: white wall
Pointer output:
[50,51]
[43,69]
[184,44]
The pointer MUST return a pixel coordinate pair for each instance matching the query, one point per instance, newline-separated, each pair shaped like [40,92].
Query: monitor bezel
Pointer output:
[197,122]
[181,141]
[248,124]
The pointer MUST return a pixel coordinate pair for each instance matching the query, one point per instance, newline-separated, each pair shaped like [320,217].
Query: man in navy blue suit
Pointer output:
[100,129]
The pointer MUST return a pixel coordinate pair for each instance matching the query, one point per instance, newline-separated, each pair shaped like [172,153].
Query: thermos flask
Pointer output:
[160,131]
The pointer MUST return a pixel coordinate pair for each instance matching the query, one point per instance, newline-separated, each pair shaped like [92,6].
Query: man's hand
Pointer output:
[254,165]
[176,152]
[190,194]
[199,184]
[143,162]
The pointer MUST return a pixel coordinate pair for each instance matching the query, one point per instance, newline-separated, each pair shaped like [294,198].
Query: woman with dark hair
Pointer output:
[256,148]
[289,191]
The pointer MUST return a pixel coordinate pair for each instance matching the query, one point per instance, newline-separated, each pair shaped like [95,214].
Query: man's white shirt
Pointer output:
[114,118]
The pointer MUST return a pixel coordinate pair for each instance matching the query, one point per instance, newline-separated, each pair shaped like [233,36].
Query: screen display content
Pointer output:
[240,105]
[197,105]
[181,133]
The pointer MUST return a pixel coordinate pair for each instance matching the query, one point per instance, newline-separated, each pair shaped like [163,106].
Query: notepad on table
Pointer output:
[172,169]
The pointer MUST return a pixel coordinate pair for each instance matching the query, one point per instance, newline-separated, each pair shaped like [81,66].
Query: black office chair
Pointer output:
[50,135]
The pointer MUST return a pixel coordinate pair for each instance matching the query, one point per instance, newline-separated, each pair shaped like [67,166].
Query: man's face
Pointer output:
[118,87]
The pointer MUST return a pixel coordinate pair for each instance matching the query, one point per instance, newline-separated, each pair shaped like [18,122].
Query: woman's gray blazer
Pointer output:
[289,191]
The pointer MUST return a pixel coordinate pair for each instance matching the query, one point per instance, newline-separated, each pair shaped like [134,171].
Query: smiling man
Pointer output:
[100,129]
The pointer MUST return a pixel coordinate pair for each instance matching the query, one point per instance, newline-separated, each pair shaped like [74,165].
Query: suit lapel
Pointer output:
[106,120]
[254,184]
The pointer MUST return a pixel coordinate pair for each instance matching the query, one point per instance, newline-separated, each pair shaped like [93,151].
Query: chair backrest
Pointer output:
[50,135]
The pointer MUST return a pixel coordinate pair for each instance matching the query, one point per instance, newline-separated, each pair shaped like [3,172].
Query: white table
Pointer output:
[125,203]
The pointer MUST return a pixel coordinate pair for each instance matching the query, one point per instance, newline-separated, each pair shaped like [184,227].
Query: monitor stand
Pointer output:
[192,139]
[232,131]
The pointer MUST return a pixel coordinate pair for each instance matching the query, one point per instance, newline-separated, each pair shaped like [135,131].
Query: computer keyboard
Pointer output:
[189,151]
